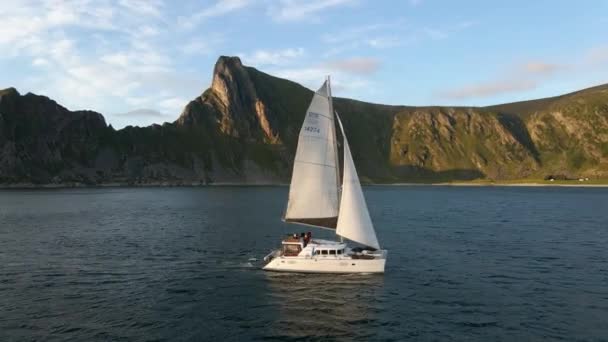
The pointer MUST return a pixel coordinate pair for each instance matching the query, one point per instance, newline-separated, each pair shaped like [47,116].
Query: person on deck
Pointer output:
[307,237]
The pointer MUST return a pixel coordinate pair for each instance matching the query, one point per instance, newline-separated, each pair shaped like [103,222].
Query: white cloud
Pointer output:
[144,112]
[40,62]
[219,8]
[385,35]
[376,36]
[348,75]
[108,56]
[297,10]
[355,65]
[312,77]
[173,105]
[200,46]
[117,59]
[272,57]
[383,42]
[518,78]
[541,68]
[138,101]
[488,89]
[143,7]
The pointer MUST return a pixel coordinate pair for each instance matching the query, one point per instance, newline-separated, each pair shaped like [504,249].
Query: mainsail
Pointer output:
[354,222]
[313,194]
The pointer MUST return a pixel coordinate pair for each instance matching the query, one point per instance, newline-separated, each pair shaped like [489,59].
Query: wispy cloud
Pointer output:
[518,78]
[348,75]
[143,7]
[219,8]
[487,89]
[82,67]
[144,112]
[384,42]
[597,55]
[375,36]
[143,116]
[362,31]
[356,65]
[40,62]
[271,57]
[343,83]
[297,10]
[541,68]
[173,104]
[200,46]
[521,77]
[385,35]
[434,33]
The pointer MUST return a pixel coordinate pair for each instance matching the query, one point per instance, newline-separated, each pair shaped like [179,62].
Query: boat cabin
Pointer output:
[292,247]
[328,251]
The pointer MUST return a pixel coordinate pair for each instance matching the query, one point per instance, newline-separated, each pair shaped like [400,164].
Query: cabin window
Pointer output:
[291,250]
[339,251]
[324,252]
[317,252]
[332,252]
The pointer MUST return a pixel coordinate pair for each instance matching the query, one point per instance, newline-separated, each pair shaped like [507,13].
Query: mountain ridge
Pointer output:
[244,128]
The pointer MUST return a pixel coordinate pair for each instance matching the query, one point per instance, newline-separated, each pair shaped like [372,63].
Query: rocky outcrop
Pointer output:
[244,129]
[38,135]
[233,102]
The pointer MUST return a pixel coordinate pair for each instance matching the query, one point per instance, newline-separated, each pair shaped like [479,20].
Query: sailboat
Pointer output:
[316,199]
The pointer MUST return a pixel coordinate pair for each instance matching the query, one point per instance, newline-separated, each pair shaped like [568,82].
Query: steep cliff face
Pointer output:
[459,140]
[244,129]
[37,136]
[572,134]
[231,105]
[567,133]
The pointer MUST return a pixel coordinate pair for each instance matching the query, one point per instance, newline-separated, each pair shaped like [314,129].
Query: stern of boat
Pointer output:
[273,254]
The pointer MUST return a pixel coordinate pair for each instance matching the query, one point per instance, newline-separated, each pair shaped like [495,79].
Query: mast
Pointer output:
[333,127]
[331,110]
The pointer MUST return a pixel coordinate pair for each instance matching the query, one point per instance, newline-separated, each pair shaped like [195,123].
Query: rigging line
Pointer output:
[323,115]
[313,163]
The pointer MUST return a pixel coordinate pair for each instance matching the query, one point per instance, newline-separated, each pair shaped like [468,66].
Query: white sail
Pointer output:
[354,222]
[313,194]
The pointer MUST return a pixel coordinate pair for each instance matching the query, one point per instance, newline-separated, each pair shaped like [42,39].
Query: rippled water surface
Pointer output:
[465,263]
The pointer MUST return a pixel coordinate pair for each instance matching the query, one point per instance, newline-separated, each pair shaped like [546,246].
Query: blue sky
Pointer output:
[139,62]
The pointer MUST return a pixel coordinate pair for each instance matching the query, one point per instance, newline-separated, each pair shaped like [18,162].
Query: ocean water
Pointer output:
[464,263]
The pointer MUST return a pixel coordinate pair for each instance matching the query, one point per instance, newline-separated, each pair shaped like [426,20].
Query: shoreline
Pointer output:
[31,186]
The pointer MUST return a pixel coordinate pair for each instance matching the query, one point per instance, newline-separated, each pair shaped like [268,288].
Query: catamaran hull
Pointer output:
[326,265]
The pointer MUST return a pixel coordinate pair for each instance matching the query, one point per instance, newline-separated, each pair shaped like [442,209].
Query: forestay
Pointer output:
[354,222]
[313,194]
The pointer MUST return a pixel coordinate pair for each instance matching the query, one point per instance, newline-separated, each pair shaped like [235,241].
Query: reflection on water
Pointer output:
[323,306]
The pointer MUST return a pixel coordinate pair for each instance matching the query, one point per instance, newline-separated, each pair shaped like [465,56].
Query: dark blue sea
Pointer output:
[182,264]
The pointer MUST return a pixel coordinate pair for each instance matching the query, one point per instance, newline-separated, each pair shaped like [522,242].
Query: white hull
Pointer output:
[327,264]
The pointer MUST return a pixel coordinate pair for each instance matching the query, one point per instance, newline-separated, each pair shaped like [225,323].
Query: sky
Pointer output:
[140,62]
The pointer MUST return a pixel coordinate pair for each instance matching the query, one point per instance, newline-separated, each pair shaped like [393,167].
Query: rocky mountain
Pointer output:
[244,128]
